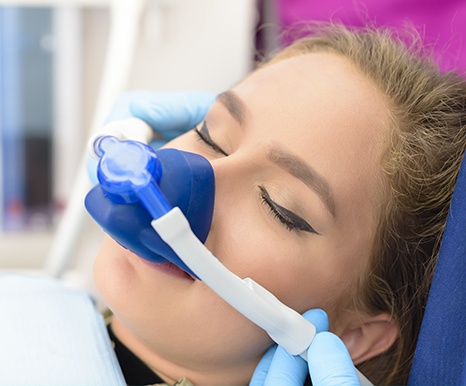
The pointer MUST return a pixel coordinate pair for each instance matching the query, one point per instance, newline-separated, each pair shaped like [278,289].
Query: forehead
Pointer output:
[319,84]
[321,107]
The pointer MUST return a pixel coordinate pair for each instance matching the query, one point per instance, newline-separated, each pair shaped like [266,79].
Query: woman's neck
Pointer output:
[171,372]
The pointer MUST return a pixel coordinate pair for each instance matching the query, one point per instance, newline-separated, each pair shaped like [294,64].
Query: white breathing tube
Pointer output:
[284,325]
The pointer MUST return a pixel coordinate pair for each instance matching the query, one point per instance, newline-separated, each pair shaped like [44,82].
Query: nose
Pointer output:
[230,171]
[232,184]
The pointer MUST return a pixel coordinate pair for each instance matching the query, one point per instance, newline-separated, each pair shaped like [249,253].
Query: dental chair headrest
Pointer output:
[440,357]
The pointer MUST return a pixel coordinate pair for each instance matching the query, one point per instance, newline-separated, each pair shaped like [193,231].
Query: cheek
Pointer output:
[299,273]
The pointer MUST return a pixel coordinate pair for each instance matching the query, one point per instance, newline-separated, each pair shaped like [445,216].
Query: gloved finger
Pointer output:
[121,107]
[287,369]
[330,363]
[172,111]
[260,373]
[318,318]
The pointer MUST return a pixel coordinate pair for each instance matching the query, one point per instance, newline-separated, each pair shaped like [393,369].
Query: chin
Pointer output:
[114,272]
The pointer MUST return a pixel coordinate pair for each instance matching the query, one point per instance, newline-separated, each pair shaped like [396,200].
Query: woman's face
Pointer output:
[296,150]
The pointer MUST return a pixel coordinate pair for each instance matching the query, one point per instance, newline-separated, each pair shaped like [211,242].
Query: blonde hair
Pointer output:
[421,163]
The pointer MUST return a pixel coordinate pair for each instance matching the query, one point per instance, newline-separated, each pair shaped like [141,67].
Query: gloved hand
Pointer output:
[329,362]
[170,114]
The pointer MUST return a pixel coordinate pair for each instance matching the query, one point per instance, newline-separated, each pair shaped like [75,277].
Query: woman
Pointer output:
[334,163]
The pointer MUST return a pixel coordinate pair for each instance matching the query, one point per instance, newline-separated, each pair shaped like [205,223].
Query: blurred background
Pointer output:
[55,60]
[63,63]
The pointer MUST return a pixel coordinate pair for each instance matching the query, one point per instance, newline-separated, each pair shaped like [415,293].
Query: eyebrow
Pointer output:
[304,172]
[234,105]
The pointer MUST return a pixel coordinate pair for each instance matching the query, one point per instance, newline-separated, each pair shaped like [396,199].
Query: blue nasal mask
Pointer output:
[138,184]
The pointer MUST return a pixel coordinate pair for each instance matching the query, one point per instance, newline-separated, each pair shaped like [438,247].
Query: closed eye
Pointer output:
[291,221]
[203,134]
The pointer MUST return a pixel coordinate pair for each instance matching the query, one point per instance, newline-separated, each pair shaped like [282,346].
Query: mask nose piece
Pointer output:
[185,179]
[188,182]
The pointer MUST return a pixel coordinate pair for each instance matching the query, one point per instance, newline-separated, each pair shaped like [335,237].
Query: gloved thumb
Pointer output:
[280,368]
[330,363]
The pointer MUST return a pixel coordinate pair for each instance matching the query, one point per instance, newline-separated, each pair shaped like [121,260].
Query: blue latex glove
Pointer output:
[329,362]
[170,114]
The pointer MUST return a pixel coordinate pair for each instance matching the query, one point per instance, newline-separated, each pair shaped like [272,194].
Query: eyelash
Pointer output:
[288,224]
[208,141]
[296,225]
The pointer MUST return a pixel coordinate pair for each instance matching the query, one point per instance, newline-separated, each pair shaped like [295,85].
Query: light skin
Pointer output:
[308,134]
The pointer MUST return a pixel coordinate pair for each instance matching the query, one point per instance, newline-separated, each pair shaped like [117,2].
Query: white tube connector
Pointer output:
[134,129]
